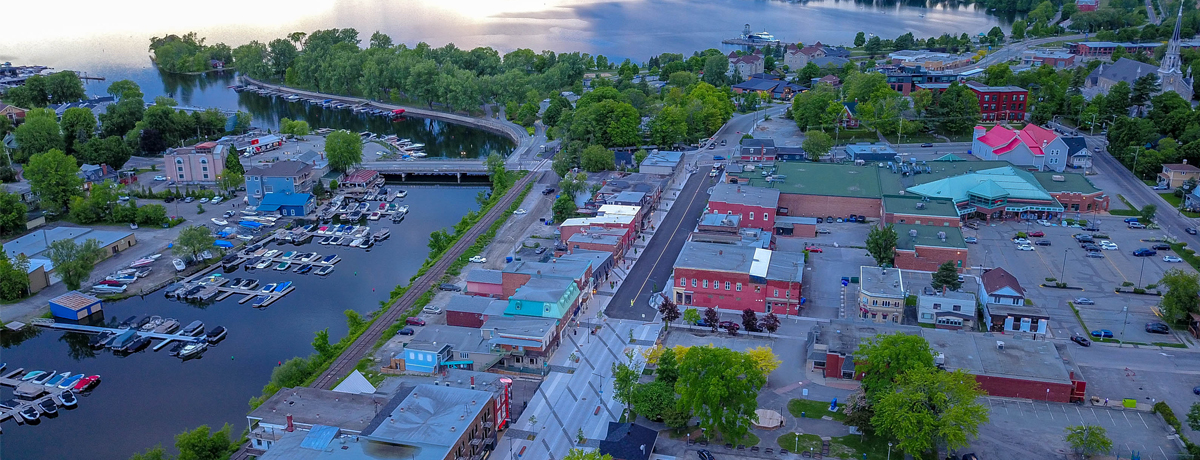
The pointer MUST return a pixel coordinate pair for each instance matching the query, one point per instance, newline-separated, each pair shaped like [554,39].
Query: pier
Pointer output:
[49,323]
[28,394]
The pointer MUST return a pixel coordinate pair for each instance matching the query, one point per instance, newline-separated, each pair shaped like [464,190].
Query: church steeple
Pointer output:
[1171,63]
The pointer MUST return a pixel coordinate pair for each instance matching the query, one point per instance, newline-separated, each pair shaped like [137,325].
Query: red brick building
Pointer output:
[736,277]
[518,273]
[571,227]
[915,210]
[755,206]
[472,311]
[1000,102]
[485,283]
[925,247]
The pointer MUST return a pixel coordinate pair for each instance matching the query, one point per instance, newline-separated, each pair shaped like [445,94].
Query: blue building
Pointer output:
[283,178]
[426,357]
[544,297]
[288,204]
[74,306]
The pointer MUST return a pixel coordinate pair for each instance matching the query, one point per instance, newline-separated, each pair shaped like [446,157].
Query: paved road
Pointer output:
[1014,50]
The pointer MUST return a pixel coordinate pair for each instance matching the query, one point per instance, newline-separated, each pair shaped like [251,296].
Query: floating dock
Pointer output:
[27,394]
[49,323]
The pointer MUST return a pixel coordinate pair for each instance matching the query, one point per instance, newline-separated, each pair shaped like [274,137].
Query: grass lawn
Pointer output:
[790,442]
[850,136]
[917,138]
[1176,202]
[813,409]
[1187,254]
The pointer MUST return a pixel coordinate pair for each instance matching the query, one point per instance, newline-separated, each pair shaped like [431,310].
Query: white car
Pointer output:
[520,211]
[1021,242]
[1024,247]
[1171,259]
[160,178]
[1045,223]
[432,309]
[216,200]
[204,200]
[712,173]
[1109,245]
[478,259]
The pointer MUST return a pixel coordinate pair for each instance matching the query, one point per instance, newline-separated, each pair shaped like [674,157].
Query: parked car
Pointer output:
[718,158]
[1084,301]
[1160,187]
[1089,247]
[478,259]
[204,200]
[1091,228]
[712,146]
[1190,231]
[189,199]
[813,249]
[1081,340]
[927,144]
[540,250]
[1020,241]
[160,178]
[706,455]
[1144,252]
[1161,247]
[449,287]
[1157,328]
[971,240]
[1102,334]
[1130,220]
[728,324]
[1083,238]
[1095,255]
[1109,245]
[520,211]
[1171,259]
[1024,247]
[1136,225]
[414,321]
[548,190]
[1044,223]
[431,309]
[724,141]
[825,231]
[168,199]
[1042,242]
[1037,234]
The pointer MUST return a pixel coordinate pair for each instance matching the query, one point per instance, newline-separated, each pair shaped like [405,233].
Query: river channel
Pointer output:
[148,397]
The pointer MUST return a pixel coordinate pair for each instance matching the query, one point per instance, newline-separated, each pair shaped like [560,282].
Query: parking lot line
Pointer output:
[1127,419]
[1143,420]
[1114,266]
[1033,409]
[1050,411]
[1110,417]
[1044,263]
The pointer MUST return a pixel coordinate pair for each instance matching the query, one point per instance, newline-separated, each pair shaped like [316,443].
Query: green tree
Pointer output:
[204,444]
[439,242]
[12,213]
[564,208]
[38,134]
[14,276]
[230,180]
[946,276]
[881,243]
[1018,29]
[817,144]
[1180,298]
[193,240]
[344,150]
[1143,88]
[111,151]
[63,87]
[498,172]
[151,214]
[597,158]
[52,177]
[714,70]
[997,74]
[78,125]
[653,400]
[860,39]
[721,387]
[682,79]
[625,381]
[234,163]
[668,367]
[154,453]
[691,316]
[1193,417]
[1088,440]
[580,454]
[74,262]
[1147,212]
[873,46]
[931,408]
[882,359]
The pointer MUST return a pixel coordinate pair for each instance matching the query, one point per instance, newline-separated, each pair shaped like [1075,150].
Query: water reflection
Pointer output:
[183,88]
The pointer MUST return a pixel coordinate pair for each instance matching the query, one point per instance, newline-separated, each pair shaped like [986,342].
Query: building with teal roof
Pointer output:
[998,192]
[544,297]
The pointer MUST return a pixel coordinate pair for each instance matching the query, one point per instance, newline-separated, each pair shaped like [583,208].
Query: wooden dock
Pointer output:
[49,323]
[27,394]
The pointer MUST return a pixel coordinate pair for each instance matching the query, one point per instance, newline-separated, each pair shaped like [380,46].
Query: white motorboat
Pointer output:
[179,265]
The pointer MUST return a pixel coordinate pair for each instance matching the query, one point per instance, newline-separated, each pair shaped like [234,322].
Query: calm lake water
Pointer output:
[148,397]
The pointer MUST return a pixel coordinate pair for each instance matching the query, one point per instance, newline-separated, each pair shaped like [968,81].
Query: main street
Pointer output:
[1014,50]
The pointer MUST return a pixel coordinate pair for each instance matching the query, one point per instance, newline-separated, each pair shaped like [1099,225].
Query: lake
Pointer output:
[148,397]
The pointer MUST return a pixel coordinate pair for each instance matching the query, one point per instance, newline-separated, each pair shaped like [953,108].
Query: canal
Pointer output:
[148,397]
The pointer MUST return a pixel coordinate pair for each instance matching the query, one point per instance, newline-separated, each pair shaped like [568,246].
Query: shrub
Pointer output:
[1139,291]
[1151,286]
[1127,284]
[1051,280]
[1168,415]
[1022,235]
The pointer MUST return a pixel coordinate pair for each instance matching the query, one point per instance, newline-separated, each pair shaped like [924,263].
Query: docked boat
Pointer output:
[215,334]
[192,349]
[136,345]
[267,288]
[128,323]
[194,328]
[356,242]
[42,379]
[288,255]
[97,341]
[58,378]
[283,286]
[235,282]
[179,265]
[249,284]
[252,262]
[68,398]
[264,263]
[331,259]
[401,194]
[155,322]
[230,263]
[271,253]
[70,381]
[107,289]
[381,235]
[48,406]
[123,340]
[283,265]
[30,414]
[143,322]
[124,279]
[32,375]
[325,240]
[87,383]
[374,216]
[260,301]
[324,270]
[168,326]
[303,269]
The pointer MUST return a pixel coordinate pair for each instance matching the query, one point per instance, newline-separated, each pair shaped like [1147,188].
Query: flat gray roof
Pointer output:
[627,197]
[611,238]
[663,158]
[745,195]
[524,326]
[917,206]
[928,235]
[288,447]
[38,241]
[715,256]
[484,275]
[878,281]
[543,289]
[713,219]
[555,268]
[471,303]
[980,354]
[432,417]
[311,406]
[786,266]
[460,339]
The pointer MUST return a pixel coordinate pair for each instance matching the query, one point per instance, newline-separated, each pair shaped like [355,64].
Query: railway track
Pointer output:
[349,358]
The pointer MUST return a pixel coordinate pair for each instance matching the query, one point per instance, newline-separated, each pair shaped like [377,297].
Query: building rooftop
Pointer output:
[712,219]
[1180,167]
[826,179]
[555,268]
[929,236]
[283,199]
[628,441]
[460,339]
[39,241]
[627,197]
[745,195]
[981,354]
[1003,182]
[432,417]
[521,326]
[543,289]
[311,406]
[281,169]
[786,266]
[595,258]
[619,210]
[590,221]
[919,206]
[610,238]
[74,300]
[723,257]
[999,278]
[879,281]
[1071,182]
[484,275]
[978,86]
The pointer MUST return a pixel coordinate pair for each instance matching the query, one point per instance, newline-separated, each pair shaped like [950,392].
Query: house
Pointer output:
[930,60]
[37,243]
[525,343]
[907,79]
[881,294]
[1078,154]
[435,348]
[623,224]
[661,162]
[628,441]
[949,310]
[794,57]
[545,297]
[466,310]
[849,116]
[746,65]
[612,241]
[757,150]
[520,272]
[202,163]
[831,80]
[75,306]
[1175,174]
[755,207]
[12,112]
[870,152]
[1056,59]
[361,178]
[486,283]
[1086,5]
[738,277]
[288,204]
[1000,102]
[281,177]
[1032,146]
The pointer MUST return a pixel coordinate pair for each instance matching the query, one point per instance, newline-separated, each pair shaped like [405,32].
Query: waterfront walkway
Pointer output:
[347,361]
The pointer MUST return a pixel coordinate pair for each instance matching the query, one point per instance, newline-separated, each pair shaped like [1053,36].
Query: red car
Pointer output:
[813,249]
[1037,235]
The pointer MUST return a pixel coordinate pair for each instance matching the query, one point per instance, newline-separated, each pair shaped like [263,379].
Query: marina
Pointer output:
[38,393]
[120,337]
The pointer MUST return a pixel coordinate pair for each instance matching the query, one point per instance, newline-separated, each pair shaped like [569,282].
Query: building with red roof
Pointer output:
[1033,146]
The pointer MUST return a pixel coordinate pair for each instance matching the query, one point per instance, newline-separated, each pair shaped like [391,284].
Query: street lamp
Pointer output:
[797,447]
[1126,323]
[889,450]
[1063,277]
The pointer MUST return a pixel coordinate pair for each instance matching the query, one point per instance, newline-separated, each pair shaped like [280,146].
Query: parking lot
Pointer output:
[824,270]
[1065,260]
[1024,429]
